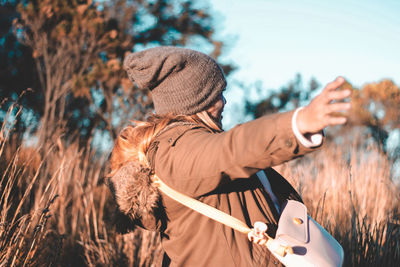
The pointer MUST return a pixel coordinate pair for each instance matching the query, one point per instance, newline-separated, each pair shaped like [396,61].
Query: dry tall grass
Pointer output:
[349,190]
[56,210]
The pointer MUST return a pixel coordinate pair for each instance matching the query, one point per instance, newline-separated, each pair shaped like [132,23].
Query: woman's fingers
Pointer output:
[335,84]
[337,95]
[336,120]
[337,107]
[324,109]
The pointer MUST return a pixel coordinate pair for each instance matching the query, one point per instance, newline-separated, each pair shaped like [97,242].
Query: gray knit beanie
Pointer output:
[182,81]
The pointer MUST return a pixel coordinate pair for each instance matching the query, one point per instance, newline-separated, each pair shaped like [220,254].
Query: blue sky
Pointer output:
[272,40]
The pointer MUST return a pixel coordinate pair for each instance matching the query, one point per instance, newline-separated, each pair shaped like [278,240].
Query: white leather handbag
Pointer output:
[311,244]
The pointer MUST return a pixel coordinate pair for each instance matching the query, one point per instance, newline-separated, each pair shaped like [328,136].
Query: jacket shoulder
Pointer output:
[173,132]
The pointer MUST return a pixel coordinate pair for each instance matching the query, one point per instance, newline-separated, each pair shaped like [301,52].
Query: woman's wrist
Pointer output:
[308,140]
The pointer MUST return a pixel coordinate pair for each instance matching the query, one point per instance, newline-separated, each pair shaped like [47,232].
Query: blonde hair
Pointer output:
[134,141]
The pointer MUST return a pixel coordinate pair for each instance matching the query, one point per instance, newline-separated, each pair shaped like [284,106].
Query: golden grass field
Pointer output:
[57,211]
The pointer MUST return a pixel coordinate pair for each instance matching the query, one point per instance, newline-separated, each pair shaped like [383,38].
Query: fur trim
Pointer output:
[136,196]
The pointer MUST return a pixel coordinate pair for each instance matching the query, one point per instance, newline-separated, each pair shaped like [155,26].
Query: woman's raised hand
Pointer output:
[323,109]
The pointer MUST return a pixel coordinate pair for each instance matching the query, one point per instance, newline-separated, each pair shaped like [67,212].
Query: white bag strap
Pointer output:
[202,208]
[217,215]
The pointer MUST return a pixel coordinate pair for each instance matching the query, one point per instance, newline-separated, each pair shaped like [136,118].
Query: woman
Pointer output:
[184,145]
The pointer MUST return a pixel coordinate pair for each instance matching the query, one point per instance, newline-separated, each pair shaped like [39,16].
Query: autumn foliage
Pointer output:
[55,209]
[76,49]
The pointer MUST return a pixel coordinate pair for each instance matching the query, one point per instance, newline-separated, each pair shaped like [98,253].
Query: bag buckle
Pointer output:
[258,235]
[283,250]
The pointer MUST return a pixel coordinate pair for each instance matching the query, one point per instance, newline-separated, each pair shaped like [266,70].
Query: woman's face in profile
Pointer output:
[217,108]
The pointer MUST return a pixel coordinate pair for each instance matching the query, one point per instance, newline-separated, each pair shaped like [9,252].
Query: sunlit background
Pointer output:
[65,97]
[272,40]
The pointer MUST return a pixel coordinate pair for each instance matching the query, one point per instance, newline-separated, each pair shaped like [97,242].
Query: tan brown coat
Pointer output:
[219,170]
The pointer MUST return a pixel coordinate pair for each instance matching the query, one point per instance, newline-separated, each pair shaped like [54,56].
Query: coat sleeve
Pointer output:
[196,161]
